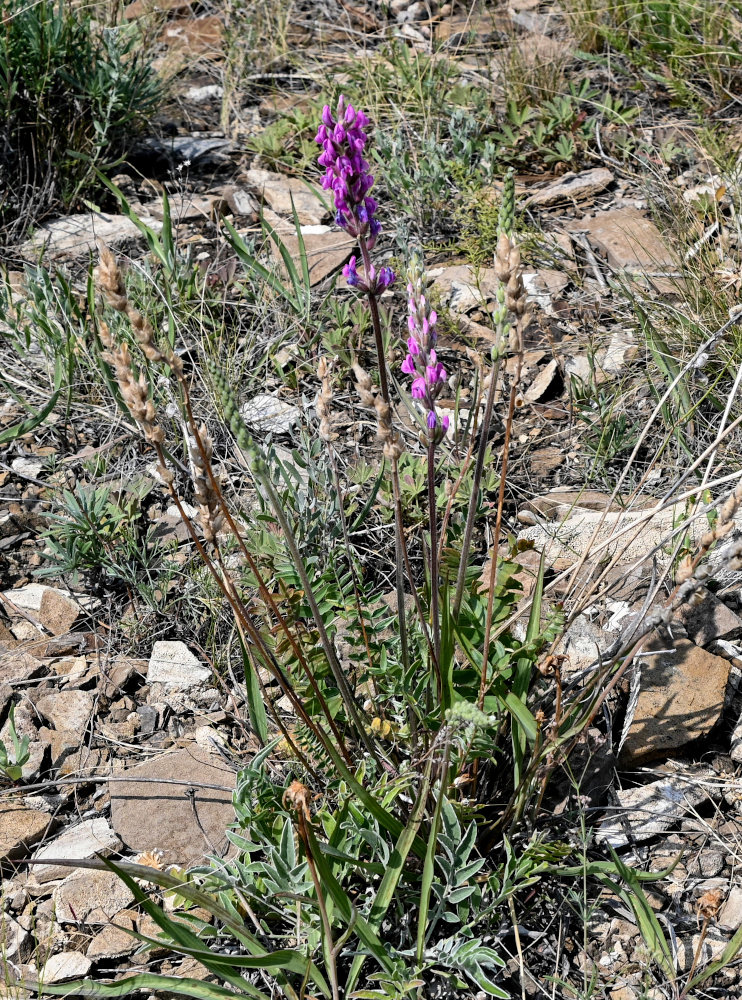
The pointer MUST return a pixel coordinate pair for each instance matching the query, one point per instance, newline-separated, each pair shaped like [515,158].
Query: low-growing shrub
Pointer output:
[72,94]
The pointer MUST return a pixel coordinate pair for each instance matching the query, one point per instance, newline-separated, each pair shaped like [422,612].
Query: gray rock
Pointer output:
[174,665]
[650,809]
[631,243]
[15,665]
[730,915]
[708,864]
[67,710]
[269,414]
[91,837]
[75,235]
[186,147]
[113,942]
[27,467]
[278,190]
[148,716]
[462,288]
[149,815]
[201,95]
[65,965]
[86,895]
[16,943]
[572,186]
[710,620]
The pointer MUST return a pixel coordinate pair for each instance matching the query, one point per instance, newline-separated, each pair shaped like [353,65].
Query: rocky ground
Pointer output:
[136,756]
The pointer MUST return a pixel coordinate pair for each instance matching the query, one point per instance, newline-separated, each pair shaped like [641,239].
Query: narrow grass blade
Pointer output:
[304,288]
[427,879]
[252,263]
[255,703]
[394,870]
[522,673]
[389,822]
[344,906]
[133,984]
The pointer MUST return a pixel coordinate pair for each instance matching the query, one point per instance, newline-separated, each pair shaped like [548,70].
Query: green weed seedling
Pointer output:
[12,761]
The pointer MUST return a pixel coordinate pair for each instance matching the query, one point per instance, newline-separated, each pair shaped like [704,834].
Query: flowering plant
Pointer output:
[343,141]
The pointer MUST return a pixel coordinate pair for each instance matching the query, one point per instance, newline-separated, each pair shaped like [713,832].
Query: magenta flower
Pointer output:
[346,171]
[350,273]
[347,176]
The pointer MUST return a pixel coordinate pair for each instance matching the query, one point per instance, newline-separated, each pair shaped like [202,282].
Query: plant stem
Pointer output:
[496,539]
[329,651]
[264,592]
[400,552]
[242,616]
[433,521]
[478,470]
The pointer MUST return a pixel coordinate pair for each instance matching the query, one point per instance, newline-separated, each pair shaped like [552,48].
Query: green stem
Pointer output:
[478,470]
[337,670]
[435,613]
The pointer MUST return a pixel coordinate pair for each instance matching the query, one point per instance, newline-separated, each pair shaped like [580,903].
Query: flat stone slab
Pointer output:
[572,187]
[681,698]
[174,665]
[327,248]
[270,414]
[653,808]
[16,665]
[158,815]
[89,895]
[91,837]
[631,243]
[20,828]
[67,710]
[113,942]
[278,190]
[76,236]
[65,965]
[628,535]
[711,619]
[462,287]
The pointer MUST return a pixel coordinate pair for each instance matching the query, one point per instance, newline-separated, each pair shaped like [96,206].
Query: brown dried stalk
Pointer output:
[135,391]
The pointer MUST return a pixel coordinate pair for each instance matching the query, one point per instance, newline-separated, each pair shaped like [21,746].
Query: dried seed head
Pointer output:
[502,258]
[111,284]
[364,386]
[109,280]
[134,390]
[203,490]
[298,797]
[391,442]
[709,903]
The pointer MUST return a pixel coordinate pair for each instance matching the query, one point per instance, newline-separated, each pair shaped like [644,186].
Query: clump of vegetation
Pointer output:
[72,94]
[689,46]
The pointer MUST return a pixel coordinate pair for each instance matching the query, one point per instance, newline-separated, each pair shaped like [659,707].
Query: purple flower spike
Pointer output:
[422,363]
[346,172]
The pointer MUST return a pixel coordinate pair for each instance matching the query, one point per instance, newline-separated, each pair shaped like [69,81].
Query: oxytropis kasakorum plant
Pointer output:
[353,755]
